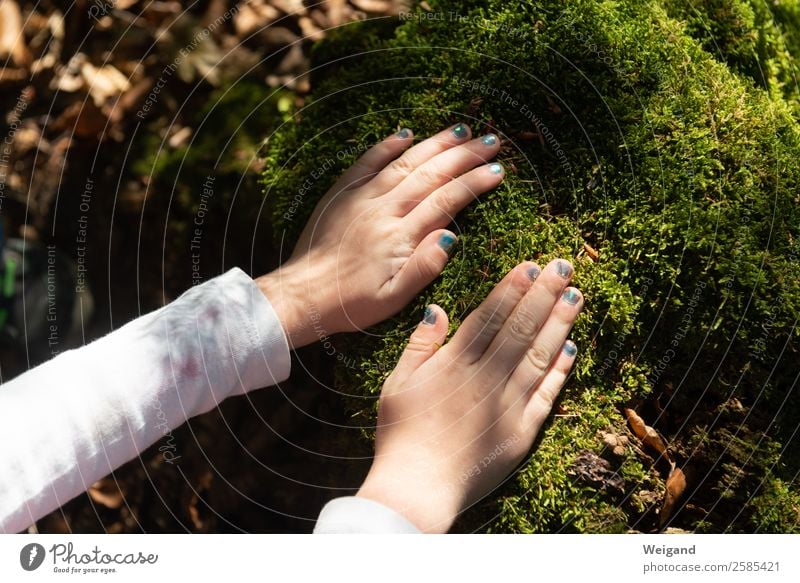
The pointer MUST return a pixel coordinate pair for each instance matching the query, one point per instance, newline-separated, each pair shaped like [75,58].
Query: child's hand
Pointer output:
[454,421]
[377,237]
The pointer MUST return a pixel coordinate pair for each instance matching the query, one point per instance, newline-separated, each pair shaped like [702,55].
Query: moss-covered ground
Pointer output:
[656,145]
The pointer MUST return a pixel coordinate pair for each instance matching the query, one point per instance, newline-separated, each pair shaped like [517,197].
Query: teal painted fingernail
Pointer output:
[404,133]
[489,140]
[495,168]
[533,272]
[571,296]
[460,131]
[446,242]
[429,317]
[563,268]
[570,349]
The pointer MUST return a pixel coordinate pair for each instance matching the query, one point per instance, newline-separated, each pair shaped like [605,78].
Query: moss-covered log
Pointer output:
[653,143]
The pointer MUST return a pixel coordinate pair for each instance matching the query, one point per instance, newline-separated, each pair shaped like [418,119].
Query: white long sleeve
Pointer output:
[354,515]
[77,417]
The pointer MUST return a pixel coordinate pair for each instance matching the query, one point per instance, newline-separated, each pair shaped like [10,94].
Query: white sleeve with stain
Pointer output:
[77,417]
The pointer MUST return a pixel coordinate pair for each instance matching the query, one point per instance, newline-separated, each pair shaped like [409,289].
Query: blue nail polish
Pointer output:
[460,131]
[495,168]
[571,296]
[446,242]
[489,140]
[404,133]
[563,269]
[570,349]
[533,272]
[429,317]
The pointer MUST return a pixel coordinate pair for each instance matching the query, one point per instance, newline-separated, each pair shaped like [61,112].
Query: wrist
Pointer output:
[431,507]
[285,290]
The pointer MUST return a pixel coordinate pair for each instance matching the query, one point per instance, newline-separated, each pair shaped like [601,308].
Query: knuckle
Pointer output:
[403,166]
[428,174]
[445,201]
[523,325]
[418,345]
[486,320]
[538,358]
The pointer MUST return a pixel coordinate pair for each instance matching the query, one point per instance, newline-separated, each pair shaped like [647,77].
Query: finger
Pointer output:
[547,345]
[426,339]
[544,395]
[443,168]
[438,209]
[395,172]
[530,314]
[374,160]
[479,329]
[424,265]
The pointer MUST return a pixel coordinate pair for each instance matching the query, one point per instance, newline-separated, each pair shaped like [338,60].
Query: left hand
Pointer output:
[377,237]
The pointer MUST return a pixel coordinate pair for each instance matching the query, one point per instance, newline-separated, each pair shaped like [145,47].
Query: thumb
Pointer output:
[426,339]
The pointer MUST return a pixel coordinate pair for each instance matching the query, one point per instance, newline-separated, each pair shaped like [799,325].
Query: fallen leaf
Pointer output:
[106,493]
[593,254]
[638,425]
[104,82]
[12,41]
[294,7]
[646,434]
[676,484]
[376,6]
[254,16]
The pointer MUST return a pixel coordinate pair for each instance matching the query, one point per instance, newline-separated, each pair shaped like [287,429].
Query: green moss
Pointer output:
[676,162]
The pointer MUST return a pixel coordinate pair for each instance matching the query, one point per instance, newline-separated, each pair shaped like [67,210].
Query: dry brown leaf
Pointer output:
[638,425]
[676,484]
[336,12]
[376,6]
[646,434]
[295,7]
[106,492]
[83,120]
[12,41]
[11,75]
[593,254]
[253,16]
[653,439]
[310,30]
[104,82]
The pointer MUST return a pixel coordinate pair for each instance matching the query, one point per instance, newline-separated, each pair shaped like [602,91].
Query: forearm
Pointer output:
[75,418]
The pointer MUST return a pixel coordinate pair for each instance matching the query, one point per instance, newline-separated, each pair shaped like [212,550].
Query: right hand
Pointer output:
[454,421]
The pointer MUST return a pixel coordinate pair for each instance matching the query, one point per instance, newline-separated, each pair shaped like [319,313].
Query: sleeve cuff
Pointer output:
[271,362]
[354,515]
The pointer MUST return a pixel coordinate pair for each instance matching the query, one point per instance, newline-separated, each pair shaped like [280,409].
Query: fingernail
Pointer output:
[460,131]
[563,268]
[571,296]
[533,272]
[429,317]
[404,133]
[495,168]
[489,140]
[446,242]
[570,349]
